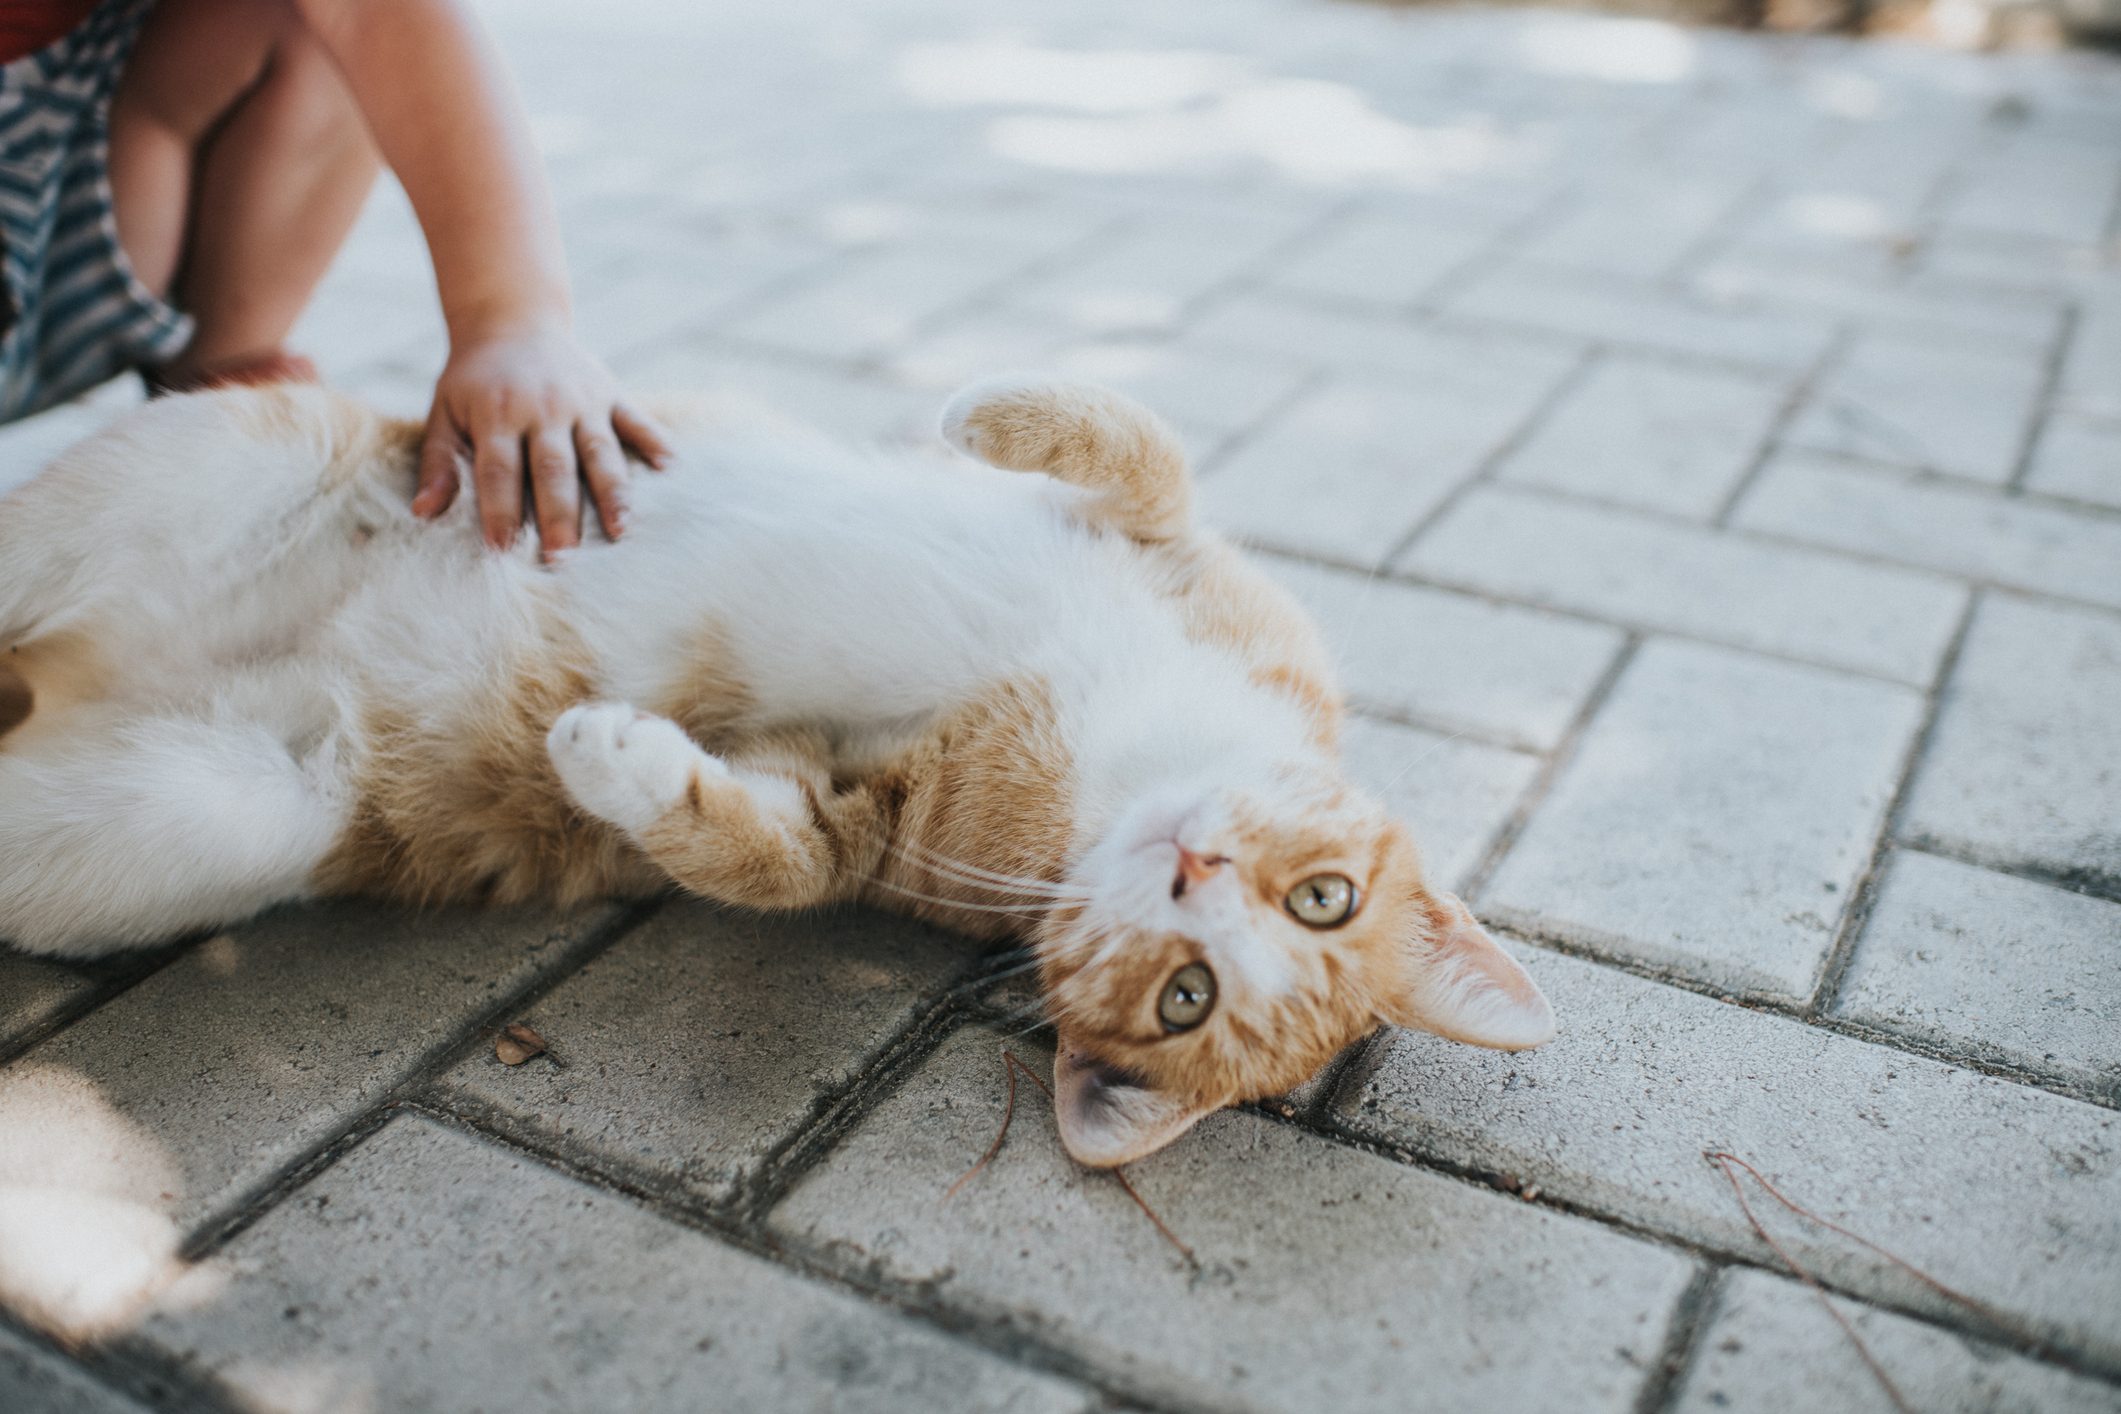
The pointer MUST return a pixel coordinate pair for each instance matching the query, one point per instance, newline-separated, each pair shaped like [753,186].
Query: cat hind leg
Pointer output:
[133,831]
[1084,435]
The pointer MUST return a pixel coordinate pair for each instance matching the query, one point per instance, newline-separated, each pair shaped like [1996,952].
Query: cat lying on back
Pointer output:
[1044,705]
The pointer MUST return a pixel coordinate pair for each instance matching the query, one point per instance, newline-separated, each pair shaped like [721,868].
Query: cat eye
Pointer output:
[1322,901]
[1188,997]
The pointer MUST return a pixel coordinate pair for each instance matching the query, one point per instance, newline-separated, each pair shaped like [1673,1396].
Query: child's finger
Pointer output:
[557,490]
[604,468]
[644,434]
[439,454]
[498,472]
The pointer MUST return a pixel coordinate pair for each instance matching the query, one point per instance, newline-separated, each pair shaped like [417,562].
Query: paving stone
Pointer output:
[1353,465]
[877,301]
[1992,967]
[432,1270]
[1449,660]
[1615,1114]
[1378,346]
[1641,316]
[1388,260]
[1664,436]
[1924,403]
[1454,793]
[1640,226]
[32,992]
[1663,576]
[1920,521]
[257,1045]
[1146,277]
[2090,382]
[1472,1297]
[2025,764]
[35,1381]
[693,1047]
[1771,1349]
[2045,191]
[851,406]
[2078,457]
[1206,393]
[1715,818]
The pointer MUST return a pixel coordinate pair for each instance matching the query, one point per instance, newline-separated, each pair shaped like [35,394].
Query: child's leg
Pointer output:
[137,830]
[238,164]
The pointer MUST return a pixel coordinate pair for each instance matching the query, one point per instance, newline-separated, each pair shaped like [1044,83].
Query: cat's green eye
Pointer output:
[1187,998]
[1322,901]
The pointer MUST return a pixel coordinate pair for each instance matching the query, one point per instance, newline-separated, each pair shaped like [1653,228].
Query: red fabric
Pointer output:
[28,25]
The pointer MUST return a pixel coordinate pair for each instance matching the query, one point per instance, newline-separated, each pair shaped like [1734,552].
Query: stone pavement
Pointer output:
[1704,451]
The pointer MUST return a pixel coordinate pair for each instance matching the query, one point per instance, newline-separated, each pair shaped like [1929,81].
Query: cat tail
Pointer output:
[1086,436]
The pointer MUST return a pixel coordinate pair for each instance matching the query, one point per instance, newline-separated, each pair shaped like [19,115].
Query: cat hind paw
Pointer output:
[626,766]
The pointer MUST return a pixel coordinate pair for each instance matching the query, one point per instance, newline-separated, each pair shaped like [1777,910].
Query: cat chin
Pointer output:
[1109,1116]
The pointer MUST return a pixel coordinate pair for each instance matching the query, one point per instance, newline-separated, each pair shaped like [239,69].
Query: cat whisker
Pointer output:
[1024,910]
[929,858]
[994,880]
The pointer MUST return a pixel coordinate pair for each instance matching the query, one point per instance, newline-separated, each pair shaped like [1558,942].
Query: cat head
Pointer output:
[1235,941]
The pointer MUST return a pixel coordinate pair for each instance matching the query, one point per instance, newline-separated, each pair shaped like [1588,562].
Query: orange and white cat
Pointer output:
[1046,705]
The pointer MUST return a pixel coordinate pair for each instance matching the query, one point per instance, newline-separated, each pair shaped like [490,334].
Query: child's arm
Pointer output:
[517,385]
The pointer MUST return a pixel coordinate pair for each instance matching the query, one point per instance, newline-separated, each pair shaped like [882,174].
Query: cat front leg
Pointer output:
[764,835]
[1086,436]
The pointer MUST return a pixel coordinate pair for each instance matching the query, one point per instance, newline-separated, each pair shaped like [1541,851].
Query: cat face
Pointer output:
[1235,940]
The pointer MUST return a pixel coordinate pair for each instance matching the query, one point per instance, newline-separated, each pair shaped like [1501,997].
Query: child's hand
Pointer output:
[533,401]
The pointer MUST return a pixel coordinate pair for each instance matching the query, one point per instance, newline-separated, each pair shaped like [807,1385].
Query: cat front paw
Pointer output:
[624,765]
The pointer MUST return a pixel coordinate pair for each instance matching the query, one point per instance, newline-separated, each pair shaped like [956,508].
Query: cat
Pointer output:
[1042,705]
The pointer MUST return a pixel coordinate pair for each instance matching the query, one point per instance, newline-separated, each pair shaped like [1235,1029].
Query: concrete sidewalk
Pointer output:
[1729,426]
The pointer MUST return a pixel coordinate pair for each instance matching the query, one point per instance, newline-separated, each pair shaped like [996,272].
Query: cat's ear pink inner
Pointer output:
[1465,987]
[1108,1117]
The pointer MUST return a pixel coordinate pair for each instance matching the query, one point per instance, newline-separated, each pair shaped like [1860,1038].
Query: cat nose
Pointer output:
[1194,869]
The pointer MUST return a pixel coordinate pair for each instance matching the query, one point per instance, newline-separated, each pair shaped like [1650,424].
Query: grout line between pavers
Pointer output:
[2044,396]
[1856,911]
[1508,445]
[1785,415]
[1883,469]
[116,980]
[1535,793]
[224,1222]
[1702,1249]
[2091,883]
[1692,1315]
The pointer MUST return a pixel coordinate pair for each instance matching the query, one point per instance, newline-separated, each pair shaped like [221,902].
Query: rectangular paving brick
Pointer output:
[854,407]
[1206,393]
[1652,433]
[1455,794]
[32,992]
[1389,260]
[1353,465]
[1658,575]
[257,1045]
[2090,382]
[1381,347]
[1709,822]
[878,300]
[33,1380]
[1999,1189]
[1992,967]
[1147,276]
[1961,530]
[698,1043]
[1870,291]
[1450,660]
[1941,406]
[2025,764]
[430,1269]
[1770,1349]
[1641,316]
[1397,1278]
[1639,226]
[2078,457]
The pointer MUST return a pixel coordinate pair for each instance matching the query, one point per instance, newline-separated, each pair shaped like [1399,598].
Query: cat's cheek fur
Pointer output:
[625,766]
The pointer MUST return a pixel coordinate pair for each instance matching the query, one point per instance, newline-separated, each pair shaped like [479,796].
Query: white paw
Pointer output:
[624,765]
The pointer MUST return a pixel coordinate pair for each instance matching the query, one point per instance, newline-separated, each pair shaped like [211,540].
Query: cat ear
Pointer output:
[1108,1117]
[1466,988]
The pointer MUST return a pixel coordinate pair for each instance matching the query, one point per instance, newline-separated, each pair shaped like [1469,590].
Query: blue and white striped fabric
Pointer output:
[76,314]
